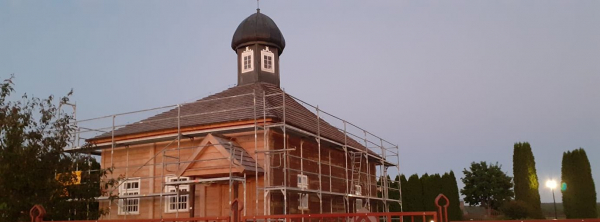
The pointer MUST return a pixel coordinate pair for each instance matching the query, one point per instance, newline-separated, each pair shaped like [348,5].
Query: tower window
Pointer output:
[247,57]
[267,60]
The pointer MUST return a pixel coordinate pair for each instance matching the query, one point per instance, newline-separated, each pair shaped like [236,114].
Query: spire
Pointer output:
[257,6]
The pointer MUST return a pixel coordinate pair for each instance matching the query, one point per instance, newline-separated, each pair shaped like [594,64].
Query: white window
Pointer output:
[174,204]
[129,205]
[302,181]
[267,63]
[359,204]
[247,57]
[303,201]
[358,190]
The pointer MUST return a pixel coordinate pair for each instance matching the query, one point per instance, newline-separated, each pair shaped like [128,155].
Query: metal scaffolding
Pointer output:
[168,158]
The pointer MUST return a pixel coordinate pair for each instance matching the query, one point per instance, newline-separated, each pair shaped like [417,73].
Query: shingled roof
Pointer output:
[237,104]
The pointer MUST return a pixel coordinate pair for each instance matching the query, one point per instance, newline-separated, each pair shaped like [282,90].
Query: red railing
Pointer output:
[537,220]
[194,219]
[349,217]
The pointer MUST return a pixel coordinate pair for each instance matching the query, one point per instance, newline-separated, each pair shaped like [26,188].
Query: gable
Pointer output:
[216,155]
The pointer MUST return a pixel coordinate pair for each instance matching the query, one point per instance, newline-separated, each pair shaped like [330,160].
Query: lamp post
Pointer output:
[552,185]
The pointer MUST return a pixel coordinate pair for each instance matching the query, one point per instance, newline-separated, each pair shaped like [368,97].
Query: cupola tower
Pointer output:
[258,44]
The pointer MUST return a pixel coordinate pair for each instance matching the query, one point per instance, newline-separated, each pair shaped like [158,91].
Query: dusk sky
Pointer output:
[449,82]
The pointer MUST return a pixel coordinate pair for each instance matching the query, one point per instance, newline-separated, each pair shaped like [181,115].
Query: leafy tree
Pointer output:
[526,180]
[34,169]
[515,209]
[486,185]
[579,199]
[450,189]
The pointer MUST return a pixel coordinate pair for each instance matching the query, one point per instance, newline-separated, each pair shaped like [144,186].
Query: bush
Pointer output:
[515,210]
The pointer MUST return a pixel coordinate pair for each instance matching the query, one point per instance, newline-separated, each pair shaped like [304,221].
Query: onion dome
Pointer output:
[258,28]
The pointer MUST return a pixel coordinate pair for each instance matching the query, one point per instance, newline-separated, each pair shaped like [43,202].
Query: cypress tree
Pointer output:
[566,178]
[450,189]
[415,190]
[394,193]
[431,189]
[403,191]
[416,195]
[579,199]
[526,180]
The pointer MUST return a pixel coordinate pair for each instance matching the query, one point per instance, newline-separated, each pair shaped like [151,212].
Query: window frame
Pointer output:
[267,53]
[303,201]
[247,53]
[124,203]
[171,189]
[302,181]
[358,204]
[358,190]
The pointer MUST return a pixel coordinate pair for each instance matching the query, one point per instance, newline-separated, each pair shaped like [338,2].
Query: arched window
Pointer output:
[267,60]
[246,60]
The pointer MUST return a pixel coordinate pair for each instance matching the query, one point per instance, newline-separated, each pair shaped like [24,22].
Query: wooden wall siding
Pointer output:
[333,169]
[211,200]
[212,163]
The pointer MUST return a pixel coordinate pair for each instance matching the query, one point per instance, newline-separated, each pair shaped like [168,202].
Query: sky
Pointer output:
[449,82]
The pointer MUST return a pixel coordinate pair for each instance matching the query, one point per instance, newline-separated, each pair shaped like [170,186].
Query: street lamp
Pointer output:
[552,185]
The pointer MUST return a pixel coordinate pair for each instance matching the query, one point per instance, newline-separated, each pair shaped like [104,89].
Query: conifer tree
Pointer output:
[526,180]
[450,189]
[394,194]
[432,187]
[403,191]
[579,198]
[413,196]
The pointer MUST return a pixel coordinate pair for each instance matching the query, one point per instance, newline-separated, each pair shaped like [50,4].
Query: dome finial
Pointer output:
[257,6]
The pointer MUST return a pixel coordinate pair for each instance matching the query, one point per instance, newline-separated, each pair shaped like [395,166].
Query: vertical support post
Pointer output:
[245,196]
[319,163]
[347,191]
[368,182]
[301,165]
[255,157]
[178,139]
[192,200]
[231,159]
[384,180]
[330,184]
[112,151]
[266,157]
[126,170]
[178,155]
[162,187]
[285,153]
[399,181]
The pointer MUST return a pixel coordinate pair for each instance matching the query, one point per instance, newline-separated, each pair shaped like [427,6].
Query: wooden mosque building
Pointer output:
[249,150]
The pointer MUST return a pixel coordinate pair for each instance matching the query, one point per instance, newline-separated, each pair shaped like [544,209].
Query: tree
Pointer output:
[515,209]
[486,185]
[403,184]
[450,189]
[432,187]
[413,196]
[394,193]
[579,199]
[34,169]
[526,180]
